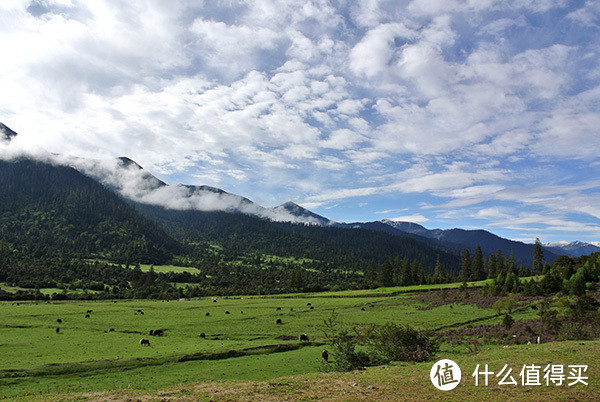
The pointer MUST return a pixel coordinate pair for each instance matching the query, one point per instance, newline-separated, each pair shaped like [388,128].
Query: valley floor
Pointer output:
[397,381]
[246,355]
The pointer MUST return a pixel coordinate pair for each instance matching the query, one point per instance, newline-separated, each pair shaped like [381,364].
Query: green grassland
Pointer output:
[245,345]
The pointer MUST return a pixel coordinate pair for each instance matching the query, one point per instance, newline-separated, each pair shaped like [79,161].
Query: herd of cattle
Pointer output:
[161,332]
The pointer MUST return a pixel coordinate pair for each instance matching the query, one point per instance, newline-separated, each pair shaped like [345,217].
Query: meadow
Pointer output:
[102,353]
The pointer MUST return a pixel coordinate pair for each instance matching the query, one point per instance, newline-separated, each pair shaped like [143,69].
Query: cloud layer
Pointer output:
[459,113]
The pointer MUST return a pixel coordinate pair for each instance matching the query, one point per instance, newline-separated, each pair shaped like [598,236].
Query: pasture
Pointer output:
[103,353]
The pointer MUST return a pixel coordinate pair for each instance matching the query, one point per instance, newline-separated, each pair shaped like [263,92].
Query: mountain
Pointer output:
[324,247]
[301,213]
[470,239]
[6,134]
[134,183]
[50,209]
[574,249]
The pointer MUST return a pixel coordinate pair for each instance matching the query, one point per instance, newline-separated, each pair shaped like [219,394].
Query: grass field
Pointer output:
[245,345]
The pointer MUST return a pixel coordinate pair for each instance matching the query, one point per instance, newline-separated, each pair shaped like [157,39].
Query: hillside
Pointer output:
[489,242]
[49,209]
[333,247]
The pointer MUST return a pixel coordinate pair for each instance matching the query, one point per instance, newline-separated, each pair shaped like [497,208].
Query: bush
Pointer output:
[404,343]
[507,321]
[384,343]
[577,331]
[344,356]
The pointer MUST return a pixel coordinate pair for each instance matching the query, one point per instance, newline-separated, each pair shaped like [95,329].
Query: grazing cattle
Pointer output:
[308,304]
[144,341]
[278,308]
[371,305]
[312,308]
[534,307]
[362,309]
[57,330]
[87,316]
[241,312]
[111,330]
[279,321]
[203,335]
[59,321]
[141,312]
[158,332]
[207,314]
[291,309]
[227,312]
[214,300]
[325,356]
[89,311]
[451,306]
[303,337]
[151,332]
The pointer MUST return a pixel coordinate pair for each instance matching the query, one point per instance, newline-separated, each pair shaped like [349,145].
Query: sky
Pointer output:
[448,113]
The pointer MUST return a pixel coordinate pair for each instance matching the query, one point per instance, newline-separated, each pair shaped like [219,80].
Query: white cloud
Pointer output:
[417,218]
[316,100]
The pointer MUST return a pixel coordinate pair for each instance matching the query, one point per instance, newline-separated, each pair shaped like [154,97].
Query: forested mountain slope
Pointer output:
[49,209]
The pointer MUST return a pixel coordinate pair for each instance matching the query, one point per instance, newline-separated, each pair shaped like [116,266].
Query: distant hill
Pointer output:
[573,249]
[51,209]
[470,239]
[334,247]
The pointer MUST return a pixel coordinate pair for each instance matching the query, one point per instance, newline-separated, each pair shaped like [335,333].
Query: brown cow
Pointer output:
[144,341]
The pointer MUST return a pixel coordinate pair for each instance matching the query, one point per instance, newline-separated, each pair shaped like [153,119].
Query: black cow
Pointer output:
[203,335]
[278,308]
[207,314]
[57,330]
[303,337]
[59,321]
[144,341]
[325,356]
[312,308]
[279,321]
[362,309]
[227,312]
[87,316]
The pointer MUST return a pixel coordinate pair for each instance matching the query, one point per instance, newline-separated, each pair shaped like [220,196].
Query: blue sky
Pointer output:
[450,113]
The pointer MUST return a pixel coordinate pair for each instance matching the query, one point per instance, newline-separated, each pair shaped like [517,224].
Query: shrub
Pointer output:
[396,342]
[344,356]
[507,321]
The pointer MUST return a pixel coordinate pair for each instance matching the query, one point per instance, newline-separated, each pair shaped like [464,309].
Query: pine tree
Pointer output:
[478,265]
[511,263]
[370,274]
[500,268]
[386,273]
[492,272]
[406,272]
[438,271]
[538,257]
[465,267]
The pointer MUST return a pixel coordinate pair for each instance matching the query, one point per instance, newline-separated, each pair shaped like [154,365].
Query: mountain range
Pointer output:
[169,202]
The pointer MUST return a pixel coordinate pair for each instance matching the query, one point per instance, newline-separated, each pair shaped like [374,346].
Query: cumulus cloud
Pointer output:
[313,100]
